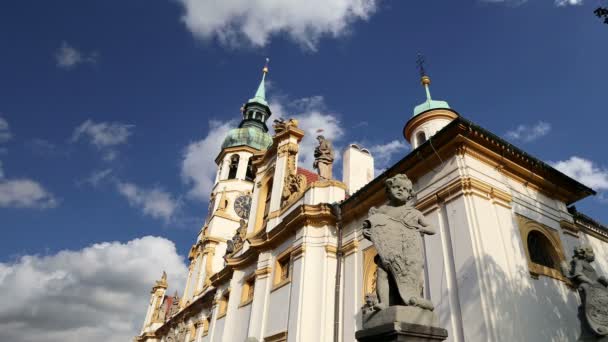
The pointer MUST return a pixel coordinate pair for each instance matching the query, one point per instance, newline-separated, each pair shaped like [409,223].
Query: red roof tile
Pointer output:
[311,177]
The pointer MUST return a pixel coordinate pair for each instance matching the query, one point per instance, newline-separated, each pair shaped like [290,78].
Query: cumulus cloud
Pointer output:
[584,171]
[312,115]
[154,202]
[104,135]
[562,3]
[24,193]
[68,57]
[255,21]
[99,293]
[5,133]
[383,153]
[198,160]
[528,133]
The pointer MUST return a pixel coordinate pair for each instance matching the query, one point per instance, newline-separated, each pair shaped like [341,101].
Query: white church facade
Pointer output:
[281,255]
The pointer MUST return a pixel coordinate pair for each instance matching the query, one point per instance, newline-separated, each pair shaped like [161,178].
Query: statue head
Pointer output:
[399,189]
[584,253]
[320,138]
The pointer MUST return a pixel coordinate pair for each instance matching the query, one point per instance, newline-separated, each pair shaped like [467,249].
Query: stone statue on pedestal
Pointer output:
[593,290]
[396,229]
[324,158]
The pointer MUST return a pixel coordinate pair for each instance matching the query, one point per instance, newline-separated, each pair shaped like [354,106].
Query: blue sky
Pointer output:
[110,110]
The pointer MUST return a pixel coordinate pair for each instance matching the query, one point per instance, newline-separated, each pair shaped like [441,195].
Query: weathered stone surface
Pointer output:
[593,290]
[401,332]
[324,158]
[399,313]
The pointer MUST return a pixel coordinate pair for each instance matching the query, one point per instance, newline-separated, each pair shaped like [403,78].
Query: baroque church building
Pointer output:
[282,256]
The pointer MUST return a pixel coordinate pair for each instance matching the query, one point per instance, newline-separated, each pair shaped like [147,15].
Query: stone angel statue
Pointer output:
[593,290]
[396,230]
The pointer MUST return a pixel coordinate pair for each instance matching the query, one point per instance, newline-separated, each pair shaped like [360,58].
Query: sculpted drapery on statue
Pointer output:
[593,290]
[396,230]
[398,312]
[324,158]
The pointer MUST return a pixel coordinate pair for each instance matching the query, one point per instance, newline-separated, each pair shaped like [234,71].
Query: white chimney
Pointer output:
[358,168]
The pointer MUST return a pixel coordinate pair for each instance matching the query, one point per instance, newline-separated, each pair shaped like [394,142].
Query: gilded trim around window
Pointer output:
[248,289]
[369,271]
[526,226]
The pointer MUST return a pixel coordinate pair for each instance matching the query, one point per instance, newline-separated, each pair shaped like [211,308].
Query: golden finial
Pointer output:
[265,70]
[425,80]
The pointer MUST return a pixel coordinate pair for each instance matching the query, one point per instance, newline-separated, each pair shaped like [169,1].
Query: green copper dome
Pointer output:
[429,103]
[249,136]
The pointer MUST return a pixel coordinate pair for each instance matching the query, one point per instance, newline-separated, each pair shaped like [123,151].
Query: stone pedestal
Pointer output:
[401,323]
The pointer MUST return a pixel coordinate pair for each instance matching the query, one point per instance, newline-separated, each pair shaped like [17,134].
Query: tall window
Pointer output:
[541,250]
[250,174]
[248,289]
[282,272]
[421,138]
[234,166]
[224,304]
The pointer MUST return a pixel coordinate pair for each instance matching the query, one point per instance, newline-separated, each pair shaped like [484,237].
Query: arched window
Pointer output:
[542,247]
[250,174]
[420,138]
[541,250]
[234,166]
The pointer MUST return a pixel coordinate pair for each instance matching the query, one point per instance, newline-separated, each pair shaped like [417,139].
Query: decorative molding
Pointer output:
[298,251]
[420,119]
[242,148]
[350,247]
[261,273]
[569,228]
[526,226]
[278,337]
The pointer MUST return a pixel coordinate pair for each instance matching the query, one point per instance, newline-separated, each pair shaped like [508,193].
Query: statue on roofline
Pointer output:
[593,290]
[324,158]
[396,230]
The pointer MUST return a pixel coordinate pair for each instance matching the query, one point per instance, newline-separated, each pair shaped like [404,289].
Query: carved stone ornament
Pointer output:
[398,309]
[294,185]
[280,125]
[593,290]
[238,239]
[324,158]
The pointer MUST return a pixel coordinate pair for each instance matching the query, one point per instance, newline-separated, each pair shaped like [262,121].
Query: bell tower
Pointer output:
[230,198]
[430,116]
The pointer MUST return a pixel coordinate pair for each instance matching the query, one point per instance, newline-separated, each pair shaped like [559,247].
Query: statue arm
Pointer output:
[578,274]
[425,227]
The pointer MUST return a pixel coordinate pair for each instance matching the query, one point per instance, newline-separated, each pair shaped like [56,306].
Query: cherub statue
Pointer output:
[593,290]
[396,230]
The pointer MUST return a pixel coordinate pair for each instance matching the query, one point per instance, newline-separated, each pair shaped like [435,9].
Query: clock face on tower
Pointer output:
[242,205]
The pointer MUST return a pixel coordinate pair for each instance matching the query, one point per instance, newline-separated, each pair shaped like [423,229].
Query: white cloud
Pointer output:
[154,202]
[528,133]
[312,115]
[25,193]
[99,293]
[68,57]
[5,133]
[562,3]
[104,135]
[198,164]
[96,177]
[255,21]
[383,153]
[584,171]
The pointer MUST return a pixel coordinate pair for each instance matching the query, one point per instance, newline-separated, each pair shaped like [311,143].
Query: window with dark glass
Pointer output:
[541,250]
[421,137]
[250,174]
[234,166]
